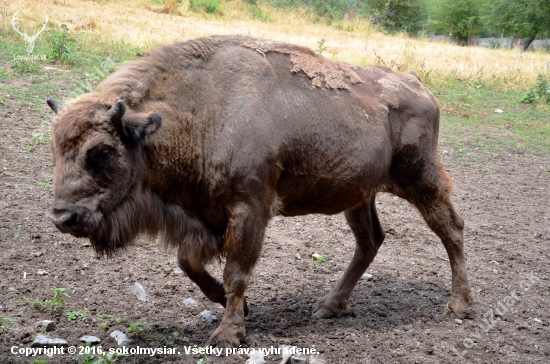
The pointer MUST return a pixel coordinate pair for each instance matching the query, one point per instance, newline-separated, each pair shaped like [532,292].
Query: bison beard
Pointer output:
[204,141]
[142,212]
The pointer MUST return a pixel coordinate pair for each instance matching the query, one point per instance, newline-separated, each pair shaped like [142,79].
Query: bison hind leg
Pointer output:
[369,235]
[424,182]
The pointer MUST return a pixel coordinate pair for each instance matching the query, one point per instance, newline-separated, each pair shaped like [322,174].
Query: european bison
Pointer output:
[204,141]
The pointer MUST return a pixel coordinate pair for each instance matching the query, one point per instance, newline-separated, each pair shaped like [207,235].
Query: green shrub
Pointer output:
[60,45]
[541,91]
[208,6]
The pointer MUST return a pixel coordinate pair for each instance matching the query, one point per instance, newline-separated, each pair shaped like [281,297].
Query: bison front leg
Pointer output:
[369,235]
[243,244]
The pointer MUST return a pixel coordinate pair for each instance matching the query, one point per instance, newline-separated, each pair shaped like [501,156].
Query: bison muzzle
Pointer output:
[204,141]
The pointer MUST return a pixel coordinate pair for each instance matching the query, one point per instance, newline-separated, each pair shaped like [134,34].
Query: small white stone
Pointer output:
[90,339]
[44,341]
[367,276]
[190,302]
[140,292]
[495,271]
[42,272]
[120,337]
[458,321]
[257,357]
[538,320]
[499,111]
[207,315]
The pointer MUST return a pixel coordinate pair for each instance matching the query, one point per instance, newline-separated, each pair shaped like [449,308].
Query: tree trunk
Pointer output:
[528,42]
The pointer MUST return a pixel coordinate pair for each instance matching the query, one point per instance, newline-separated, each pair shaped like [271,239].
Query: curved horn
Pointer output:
[54,105]
[117,110]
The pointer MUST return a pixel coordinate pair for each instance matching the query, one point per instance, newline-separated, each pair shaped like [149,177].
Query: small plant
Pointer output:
[54,305]
[17,233]
[46,185]
[138,327]
[321,46]
[319,258]
[25,66]
[208,6]
[40,138]
[73,315]
[329,249]
[60,45]
[105,326]
[104,358]
[5,324]
[541,91]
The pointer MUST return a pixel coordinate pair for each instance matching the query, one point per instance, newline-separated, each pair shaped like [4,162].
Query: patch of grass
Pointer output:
[475,124]
[5,324]
[257,13]
[137,328]
[26,66]
[207,6]
[47,186]
[41,138]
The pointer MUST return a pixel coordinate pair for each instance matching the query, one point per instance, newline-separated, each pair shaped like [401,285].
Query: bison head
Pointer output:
[97,148]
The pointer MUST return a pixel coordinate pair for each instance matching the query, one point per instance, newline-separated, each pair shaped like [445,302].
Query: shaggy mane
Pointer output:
[144,212]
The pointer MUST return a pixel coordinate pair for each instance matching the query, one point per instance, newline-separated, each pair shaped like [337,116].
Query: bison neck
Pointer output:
[177,174]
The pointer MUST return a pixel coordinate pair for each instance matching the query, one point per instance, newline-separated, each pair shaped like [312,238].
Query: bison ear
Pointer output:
[54,105]
[137,127]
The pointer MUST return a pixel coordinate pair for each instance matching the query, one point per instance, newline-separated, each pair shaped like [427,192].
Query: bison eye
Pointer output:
[102,156]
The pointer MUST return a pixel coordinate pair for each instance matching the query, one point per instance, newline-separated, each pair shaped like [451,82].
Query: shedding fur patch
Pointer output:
[322,72]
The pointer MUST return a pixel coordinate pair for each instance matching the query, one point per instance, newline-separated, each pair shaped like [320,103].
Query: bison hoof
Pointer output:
[328,307]
[459,306]
[226,336]
[245,308]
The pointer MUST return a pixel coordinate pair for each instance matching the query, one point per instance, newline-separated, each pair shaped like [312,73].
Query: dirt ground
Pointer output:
[396,317]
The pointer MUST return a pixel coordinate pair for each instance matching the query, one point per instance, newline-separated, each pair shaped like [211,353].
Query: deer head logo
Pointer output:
[28,39]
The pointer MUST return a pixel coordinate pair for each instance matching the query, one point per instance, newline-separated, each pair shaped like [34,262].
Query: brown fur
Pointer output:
[214,136]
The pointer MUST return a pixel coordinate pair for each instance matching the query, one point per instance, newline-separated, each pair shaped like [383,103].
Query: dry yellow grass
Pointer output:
[137,22]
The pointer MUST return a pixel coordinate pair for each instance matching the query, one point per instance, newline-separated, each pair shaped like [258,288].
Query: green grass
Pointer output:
[5,324]
[469,120]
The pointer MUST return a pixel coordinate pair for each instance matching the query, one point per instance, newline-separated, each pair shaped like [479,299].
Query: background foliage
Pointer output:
[461,18]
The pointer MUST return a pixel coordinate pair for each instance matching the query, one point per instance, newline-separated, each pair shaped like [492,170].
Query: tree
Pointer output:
[459,18]
[399,15]
[519,18]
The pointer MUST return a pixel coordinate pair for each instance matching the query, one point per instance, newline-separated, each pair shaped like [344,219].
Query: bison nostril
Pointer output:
[62,218]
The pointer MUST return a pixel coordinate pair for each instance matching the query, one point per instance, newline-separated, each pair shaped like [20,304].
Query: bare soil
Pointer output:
[398,316]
